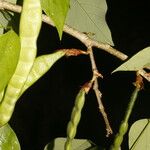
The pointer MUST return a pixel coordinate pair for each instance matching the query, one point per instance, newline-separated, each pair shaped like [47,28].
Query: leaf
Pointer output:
[57,11]
[137,62]
[147,65]
[8,139]
[139,135]
[9,54]
[88,16]
[77,144]
[5,17]
[41,65]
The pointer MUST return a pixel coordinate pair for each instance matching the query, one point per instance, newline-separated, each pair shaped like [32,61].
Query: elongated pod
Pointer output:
[124,124]
[41,65]
[30,24]
[75,118]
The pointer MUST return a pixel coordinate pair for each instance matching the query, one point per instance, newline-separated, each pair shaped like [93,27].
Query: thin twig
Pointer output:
[101,108]
[144,74]
[79,35]
[98,94]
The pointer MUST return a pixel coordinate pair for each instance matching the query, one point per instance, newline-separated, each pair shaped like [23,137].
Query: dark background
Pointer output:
[43,112]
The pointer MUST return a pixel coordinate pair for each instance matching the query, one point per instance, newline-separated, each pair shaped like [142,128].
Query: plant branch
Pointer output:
[79,35]
[98,93]
[144,74]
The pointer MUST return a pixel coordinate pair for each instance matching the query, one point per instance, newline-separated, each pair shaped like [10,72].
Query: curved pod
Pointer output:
[30,24]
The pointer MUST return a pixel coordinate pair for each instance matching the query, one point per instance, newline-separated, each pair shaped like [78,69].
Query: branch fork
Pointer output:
[89,43]
[4,5]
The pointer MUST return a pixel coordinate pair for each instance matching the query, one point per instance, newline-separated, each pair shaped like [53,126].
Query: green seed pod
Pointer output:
[71,130]
[75,118]
[41,65]
[124,125]
[68,145]
[30,24]
[123,128]
[118,141]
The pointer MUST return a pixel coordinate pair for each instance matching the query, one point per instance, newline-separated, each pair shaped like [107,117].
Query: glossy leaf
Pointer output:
[8,139]
[137,62]
[9,53]
[139,135]
[5,17]
[57,11]
[88,16]
[77,144]
[41,65]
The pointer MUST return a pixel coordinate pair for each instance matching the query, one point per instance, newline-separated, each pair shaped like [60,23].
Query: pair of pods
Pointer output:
[29,68]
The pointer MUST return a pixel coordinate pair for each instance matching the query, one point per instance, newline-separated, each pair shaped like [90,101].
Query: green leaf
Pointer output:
[57,11]
[88,16]
[9,54]
[139,135]
[5,17]
[8,139]
[77,144]
[41,65]
[137,62]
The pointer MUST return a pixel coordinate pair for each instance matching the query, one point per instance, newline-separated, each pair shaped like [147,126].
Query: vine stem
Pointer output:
[79,35]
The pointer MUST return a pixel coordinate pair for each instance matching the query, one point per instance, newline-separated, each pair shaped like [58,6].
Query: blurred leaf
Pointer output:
[5,17]
[137,62]
[8,139]
[77,144]
[139,135]
[57,11]
[88,16]
[9,54]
